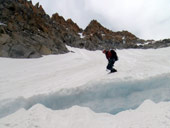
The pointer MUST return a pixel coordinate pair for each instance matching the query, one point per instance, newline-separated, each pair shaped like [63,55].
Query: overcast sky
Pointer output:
[147,19]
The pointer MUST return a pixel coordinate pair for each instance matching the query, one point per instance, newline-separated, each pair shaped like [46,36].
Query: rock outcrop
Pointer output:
[105,38]
[69,24]
[28,31]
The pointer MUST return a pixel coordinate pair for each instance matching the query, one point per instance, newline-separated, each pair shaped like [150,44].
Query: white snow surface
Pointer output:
[26,78]
[81,35]
[148,115]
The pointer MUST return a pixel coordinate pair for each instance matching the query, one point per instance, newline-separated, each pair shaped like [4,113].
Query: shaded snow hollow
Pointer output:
[66,90]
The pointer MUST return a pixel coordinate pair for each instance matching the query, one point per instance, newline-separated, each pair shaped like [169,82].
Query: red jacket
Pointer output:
[111,55]
[108,54]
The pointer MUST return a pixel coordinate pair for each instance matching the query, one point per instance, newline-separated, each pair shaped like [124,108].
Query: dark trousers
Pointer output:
[110,64]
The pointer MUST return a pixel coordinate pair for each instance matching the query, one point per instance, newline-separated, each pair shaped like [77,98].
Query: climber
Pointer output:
[111,57]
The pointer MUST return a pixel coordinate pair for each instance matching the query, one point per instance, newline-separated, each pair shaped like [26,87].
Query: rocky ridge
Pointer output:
[26,31]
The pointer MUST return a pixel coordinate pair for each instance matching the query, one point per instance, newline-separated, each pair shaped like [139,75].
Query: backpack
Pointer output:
[114,55]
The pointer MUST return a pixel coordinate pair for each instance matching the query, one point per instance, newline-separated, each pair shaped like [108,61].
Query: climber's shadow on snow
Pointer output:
[111,97]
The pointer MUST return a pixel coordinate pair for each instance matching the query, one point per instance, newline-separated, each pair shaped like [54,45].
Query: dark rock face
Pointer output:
[158,44]
[26,31]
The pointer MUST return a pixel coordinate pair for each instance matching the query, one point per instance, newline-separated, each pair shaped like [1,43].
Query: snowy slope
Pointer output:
[80,78]
[27,77]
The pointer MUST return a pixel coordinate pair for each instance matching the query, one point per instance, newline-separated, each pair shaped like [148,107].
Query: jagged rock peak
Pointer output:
[95,23]
[28,4]
[73,26]
[69,24]
[58,19]
[37,5]
[95,27]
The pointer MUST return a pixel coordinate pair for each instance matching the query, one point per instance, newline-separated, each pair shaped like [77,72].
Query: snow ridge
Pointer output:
[80,117]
